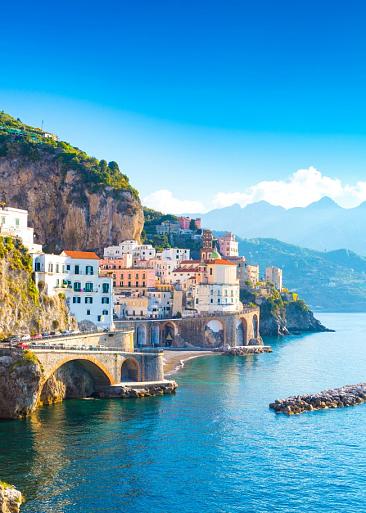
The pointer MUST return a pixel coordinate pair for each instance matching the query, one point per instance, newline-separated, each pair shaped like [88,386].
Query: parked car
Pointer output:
[36,337]
[22,345]
[25,337]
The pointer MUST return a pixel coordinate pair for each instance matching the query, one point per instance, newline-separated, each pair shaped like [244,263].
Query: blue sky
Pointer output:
[204,99]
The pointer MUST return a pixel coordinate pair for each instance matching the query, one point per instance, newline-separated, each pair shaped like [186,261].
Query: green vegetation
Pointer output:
[149,236]
[18,259]
[20,140]
[4,484]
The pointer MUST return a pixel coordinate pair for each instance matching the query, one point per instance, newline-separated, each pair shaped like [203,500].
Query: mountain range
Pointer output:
[323,225]
[333,281]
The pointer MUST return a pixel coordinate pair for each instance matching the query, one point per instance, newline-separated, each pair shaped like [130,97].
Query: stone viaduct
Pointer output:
[203,331]
[109,357]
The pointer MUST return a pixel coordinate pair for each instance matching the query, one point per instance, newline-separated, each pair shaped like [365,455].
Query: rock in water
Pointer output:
[348,395]
[10,499]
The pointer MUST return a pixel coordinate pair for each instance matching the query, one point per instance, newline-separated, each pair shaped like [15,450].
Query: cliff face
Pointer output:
[23,387]
[23,309]
[65,211]
[10,499]
[74,201]
[293,317]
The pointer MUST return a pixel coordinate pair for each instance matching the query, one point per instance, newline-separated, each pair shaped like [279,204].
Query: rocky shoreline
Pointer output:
[10,498]
[348,395]
[245,350]
[147,390]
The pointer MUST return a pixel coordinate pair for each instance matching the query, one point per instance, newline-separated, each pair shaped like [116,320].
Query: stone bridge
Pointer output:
[107,367]
[204,331]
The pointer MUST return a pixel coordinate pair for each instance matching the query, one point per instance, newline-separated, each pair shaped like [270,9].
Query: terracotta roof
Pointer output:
[87,255]
[220,261]
[190,261]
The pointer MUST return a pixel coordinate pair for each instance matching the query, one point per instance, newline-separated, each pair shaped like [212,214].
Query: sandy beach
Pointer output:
[175,360]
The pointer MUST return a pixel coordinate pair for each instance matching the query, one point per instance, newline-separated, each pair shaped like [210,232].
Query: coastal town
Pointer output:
[133,281]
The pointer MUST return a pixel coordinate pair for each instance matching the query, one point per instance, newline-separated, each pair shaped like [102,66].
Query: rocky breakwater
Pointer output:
[348,395]
[10,498]
[245,350]
[142,390]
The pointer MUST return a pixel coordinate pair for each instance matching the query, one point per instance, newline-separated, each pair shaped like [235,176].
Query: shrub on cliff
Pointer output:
[20,140]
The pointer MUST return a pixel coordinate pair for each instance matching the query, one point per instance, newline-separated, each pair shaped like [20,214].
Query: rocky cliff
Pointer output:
[10,498]
[279,316]
[23,308]
[23,387]
[74,201]
[291,318]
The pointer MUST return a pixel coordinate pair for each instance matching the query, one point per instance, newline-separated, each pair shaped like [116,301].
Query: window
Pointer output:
[218,300]
[211,300]
[105,288]
[89,270]
[3,220]
[129,284]
[50,268]
[105,312]
[37,266]
[68,267]
[77,269]
[99,318]
[76,299]
[57,268]
[137,283]
[211,271]
[88,300]
[88,312]
[105,300]
[120,284]
[17,222]
[88,287]
[77,286]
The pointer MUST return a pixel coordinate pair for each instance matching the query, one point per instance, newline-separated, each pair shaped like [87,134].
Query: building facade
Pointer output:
[14,222]
[274,276]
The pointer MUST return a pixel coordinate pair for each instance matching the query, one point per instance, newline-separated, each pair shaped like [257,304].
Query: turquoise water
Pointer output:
[215,447]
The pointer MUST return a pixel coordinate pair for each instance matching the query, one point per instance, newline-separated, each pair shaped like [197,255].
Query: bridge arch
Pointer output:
[255,326]
[130,370]
[141,335]
[169,332]
[241,332]
[92,365]
[214,333]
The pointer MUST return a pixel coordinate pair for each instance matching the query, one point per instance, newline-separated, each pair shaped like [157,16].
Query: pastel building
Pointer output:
[274,276]
[219,290]
[76,274]
[14,222]
[251,274]
[228,245]
[130,278]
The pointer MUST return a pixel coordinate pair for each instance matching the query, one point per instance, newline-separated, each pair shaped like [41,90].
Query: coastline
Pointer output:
[174,360]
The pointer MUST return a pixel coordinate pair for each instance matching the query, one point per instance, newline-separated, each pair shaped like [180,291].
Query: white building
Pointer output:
[274,275]
[229,246]
[125,247]
[76,274]
[14,222]
[219,290]
[176,254]
[131,247]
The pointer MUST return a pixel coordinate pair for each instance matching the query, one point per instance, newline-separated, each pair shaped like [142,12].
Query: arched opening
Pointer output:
[255,326]
[241,332]
[155,335]
[74,379]
[169,334]
[141,335]
[214,333]
[130,370]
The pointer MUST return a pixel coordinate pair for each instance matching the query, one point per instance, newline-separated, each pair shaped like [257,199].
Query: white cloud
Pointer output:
[164,201]
[302,188]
